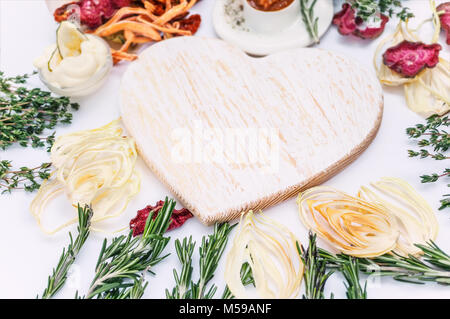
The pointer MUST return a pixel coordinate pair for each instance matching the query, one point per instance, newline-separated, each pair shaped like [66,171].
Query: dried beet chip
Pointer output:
[345,20]
[93,13]
[179,217]
[348,23]
[409,58]
[445,18]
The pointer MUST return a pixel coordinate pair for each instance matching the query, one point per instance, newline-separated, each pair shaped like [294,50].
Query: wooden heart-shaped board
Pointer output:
[227,132]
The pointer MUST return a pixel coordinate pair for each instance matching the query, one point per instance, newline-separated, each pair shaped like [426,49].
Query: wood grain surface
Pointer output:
[227,132]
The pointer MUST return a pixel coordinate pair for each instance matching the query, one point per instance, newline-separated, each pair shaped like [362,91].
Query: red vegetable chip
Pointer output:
[348,23]
[179,217]
[445,18]
[345,20]
[93,13]
[192,23]
[409,58]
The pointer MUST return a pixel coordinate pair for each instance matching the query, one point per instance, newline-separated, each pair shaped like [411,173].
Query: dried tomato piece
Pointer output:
[409,58]
[345,20]
[348,23]
[445,18]
[62,13]
[179,217]
[192,23]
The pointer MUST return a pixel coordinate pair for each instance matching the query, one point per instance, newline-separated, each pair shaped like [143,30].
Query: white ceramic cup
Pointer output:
[271,21]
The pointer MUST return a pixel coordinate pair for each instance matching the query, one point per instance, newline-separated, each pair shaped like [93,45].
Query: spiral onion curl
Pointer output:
[95,167]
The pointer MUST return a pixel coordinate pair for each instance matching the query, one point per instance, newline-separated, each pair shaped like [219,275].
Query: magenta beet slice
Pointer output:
[445,18]
[345,20]
[409,58]
[348,23]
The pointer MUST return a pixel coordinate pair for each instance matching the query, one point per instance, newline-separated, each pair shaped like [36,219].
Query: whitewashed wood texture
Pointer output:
[324,108]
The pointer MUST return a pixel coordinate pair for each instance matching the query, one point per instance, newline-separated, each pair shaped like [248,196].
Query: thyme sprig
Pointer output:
[25,178]
[26,113]
[210,252]
[367,9]
[434,140]
[120,265]
[59,275]
[315,273]
[308,17]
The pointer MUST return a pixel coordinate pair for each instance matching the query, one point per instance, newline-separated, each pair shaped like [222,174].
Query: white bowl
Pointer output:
[271,21]
[88,87]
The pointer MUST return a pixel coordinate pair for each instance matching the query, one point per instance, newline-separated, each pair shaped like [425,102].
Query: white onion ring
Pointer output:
[416,219]
[270,250]
[350,224]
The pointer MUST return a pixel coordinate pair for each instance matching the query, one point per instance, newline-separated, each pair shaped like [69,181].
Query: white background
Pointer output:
[27,255]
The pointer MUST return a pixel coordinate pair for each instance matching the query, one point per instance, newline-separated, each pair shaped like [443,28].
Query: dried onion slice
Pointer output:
[403,32]
[430,94]
[385,74]
[95,167]
[416,219]
[270,250]
[350,224]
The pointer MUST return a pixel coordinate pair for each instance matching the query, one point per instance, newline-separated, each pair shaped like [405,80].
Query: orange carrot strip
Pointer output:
[135,27]
[164,29]
[125,11]
[124,56]
[190,5]
[172,13]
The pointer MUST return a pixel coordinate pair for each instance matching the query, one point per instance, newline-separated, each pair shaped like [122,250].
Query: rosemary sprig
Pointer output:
[434,265]
[26,113]
[350,269]
[432,136]
[315,275]
[25,178]
[210,252]
[311,22]
[59,275]
[369,8]
[184,251]
[121,263]
[134,291]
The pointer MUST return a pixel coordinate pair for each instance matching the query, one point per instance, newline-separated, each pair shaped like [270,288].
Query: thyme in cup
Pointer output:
[367,9]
